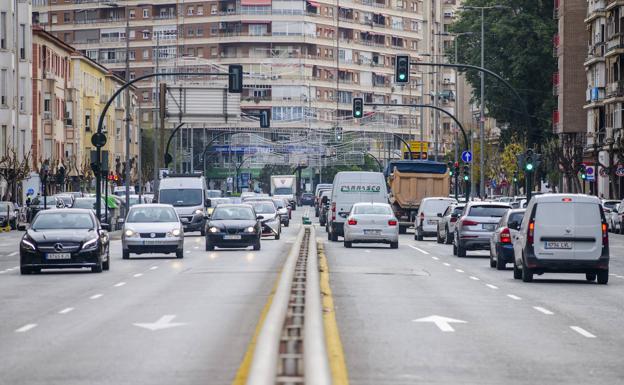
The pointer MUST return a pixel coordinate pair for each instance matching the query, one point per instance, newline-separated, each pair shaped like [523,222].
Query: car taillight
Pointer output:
[453,220]
[422,218]
[468,222]
[505,236]
[605,234]
[531,233]
[352,222]
[392,222]
[333,209]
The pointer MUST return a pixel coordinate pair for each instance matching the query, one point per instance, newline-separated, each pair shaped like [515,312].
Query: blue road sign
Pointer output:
[591,176]
[466,156]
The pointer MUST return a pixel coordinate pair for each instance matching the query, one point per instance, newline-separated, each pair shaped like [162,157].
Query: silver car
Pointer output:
[268,216]
[371,223]
[475,226]
[446,224]
[152,228]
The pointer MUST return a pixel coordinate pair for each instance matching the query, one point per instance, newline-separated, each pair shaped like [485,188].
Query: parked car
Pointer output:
[152,228]
[476,225]
[233,225]
[429,213]
[611,213]
[371,223]
[9,213]
[563,233]
[446,224]
[501,246]
[64,238]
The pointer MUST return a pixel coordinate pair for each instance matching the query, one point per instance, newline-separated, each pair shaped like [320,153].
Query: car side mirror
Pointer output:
[208,202]
[439,215]
[22,227]
[454,215]
[259,217]
[105,226]
[154,200]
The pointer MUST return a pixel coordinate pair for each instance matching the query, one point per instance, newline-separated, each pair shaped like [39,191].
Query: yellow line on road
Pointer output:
[337,363]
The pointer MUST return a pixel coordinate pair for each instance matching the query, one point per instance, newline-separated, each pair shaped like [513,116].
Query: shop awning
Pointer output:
[255,2]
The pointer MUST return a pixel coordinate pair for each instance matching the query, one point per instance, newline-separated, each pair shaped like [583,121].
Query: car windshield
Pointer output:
[62,221]
[5,206]
[610,204]
[307,195]
[85,203]
[283,191]
[151,214]
[279,204]
[264,207]
[181,197]
[233,213]
[488,211]
[372,209]
[213,193]
[67,199]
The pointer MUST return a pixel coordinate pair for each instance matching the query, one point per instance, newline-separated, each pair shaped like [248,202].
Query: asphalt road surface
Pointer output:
[149,320]
[420,315]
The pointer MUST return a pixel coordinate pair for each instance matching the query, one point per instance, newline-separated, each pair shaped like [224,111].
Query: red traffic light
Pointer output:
[456,164]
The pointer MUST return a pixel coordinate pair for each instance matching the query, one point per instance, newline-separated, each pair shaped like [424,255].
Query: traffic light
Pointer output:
[450,168]
[583,172]
[265,118]
[466,173]
[402,69]
[338,134]
[528,160]
[235,79]
[515,176]
[358,107]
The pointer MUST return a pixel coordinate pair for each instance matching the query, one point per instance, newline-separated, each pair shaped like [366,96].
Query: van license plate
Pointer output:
[558,245]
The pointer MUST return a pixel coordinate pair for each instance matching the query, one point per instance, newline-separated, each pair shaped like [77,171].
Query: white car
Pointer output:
[152,228]
[612,206]
[371,223]
[429,213]
[562,233]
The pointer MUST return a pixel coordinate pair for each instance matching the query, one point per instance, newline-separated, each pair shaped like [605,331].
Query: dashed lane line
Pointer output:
[542,310]
[66,310]
[446,264]
[491,286]
[137,275]
[25,328]
[419,250]
[153,268]
[95,296]
[13,254]
[119,284]
[435,258]
[582,332]
[459,270]
[474,278]
[514,297]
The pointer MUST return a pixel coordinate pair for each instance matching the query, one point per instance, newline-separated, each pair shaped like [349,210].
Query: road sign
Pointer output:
[620,170]
[591,176]
[603,173]
[417,148]
[98,139]
[443,323]
[466,156]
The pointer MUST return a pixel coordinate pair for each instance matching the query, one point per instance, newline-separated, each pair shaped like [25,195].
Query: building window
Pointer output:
[22,41]
[3,30]
[3,139]
[146,54]
[132,75]
[22,94]
[145,13]
[3,87]
[132,14]
[200,52]
[200,31]
[54,18]
[146,35]
[145,95]
[213,51]
[66,18]
[190,32]
[213,9]
[200,10]
[131,55]
[132,34]
[190,11]
[87,120]
[191,52]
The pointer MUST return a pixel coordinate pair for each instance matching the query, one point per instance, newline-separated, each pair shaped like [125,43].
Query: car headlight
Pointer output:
[28,244]
[91,244]
[214,230]
[129,233]
[250,229]
[174,233]
[199,211]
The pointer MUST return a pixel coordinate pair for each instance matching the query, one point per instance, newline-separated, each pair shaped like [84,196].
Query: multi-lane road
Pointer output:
[416,315]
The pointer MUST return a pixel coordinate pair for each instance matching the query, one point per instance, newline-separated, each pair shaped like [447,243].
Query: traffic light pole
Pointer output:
[167,156]
[102,138]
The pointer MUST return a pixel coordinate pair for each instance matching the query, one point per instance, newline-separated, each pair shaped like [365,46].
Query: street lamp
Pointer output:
[482,106]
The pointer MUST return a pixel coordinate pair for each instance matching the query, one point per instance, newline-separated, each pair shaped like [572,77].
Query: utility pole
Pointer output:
[127,176]
[435,95]
[140,158]
[156,118]
[482,113]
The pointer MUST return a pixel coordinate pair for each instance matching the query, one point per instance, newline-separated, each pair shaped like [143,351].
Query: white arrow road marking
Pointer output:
[582,332]
[542,310]
[26,328]
[420,250]
[443,323]
[163,323]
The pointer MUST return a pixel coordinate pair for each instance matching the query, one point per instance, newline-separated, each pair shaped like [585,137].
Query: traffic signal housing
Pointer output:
[265,118]
[466,173]
[235,79]
[358,107]
[450,168]
[515,176]
[529,165]
[583,172]
[338,133]
[402,69]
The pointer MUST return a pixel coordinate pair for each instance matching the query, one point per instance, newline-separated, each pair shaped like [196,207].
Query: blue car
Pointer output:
[501,245]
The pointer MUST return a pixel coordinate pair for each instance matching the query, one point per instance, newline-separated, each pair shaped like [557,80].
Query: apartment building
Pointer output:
[69,93]
[15,75]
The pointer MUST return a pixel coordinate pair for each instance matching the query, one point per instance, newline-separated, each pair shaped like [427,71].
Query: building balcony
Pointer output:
[613,3]
[615,90]
[595,54]
[595,9]
[595,94]
[615,45]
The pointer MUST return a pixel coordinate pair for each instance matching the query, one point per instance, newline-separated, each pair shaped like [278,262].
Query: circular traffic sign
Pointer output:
[466,156]
[620,170]
[98,139]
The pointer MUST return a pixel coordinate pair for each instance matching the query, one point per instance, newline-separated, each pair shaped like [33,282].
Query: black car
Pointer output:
[233,225]
[64,238]
[306,199]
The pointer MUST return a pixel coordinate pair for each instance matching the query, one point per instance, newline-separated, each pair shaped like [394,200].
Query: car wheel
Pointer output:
[591,277]
[277,236]
[517,273]
[348,244]
[333,236]
[180,253]
[419,236]
[454,249]
[603,277]
[394,245]
[500,264]
[328,235]
[97,268]
[256,245]
[448,236]
[438,237]
[316,213]
[125,254]
[287,223]
[106,265]
[25,270]
[492,261]
[402,229]
[461,252]
[527,274]
[203,231]
[209,246]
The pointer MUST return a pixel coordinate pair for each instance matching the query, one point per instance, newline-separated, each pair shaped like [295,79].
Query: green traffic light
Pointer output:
[583,176]
[402,76]
[465,177]
[358,113]
[529,167]
[451,173]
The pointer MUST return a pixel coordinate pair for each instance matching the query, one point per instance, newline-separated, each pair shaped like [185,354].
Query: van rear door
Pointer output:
[588,231]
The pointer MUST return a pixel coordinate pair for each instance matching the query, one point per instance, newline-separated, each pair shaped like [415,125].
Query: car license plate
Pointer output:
[372,232]
[152,242]
[558,245]
[232,237]
[490,227]
[58,256]
[432,222]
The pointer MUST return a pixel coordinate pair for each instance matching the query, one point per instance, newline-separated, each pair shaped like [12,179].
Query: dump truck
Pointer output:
[410,181]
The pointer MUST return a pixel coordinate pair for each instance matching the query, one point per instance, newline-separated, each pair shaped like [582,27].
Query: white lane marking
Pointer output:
[446,264]
[420,250]
[435,258]
[66,310]
[612,274]
[514,297]
[582,332]
[119,284]
[2,272]
[13,254]
[542,310]
[196,247]
[25,328]
[459,270]
[367,251]
[163,322]
[443,323]
[95,296]
[474,278]
[491,286]
[153,267]
[188,251]
[137,275]
[15,267]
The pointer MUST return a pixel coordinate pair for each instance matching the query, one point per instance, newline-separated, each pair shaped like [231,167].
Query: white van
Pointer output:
[351,187]
[188,195]
[429,213]
[565,233]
